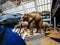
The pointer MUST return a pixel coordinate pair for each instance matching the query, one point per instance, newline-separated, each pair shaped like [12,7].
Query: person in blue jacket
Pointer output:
[10,38]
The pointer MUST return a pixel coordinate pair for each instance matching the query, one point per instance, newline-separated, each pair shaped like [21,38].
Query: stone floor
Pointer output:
[43,41]
[46,40]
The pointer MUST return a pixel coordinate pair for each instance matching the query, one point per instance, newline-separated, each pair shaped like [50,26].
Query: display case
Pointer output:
[46,15]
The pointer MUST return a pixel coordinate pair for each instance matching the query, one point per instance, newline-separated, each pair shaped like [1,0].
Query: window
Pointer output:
[41,5]
[29,5]
[49,7]
[49,1]
[40,8]
[44,5]
[45,8]
[43,1]
[38,2]
[46,1]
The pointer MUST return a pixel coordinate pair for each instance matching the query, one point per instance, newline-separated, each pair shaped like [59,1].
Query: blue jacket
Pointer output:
[11,38]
